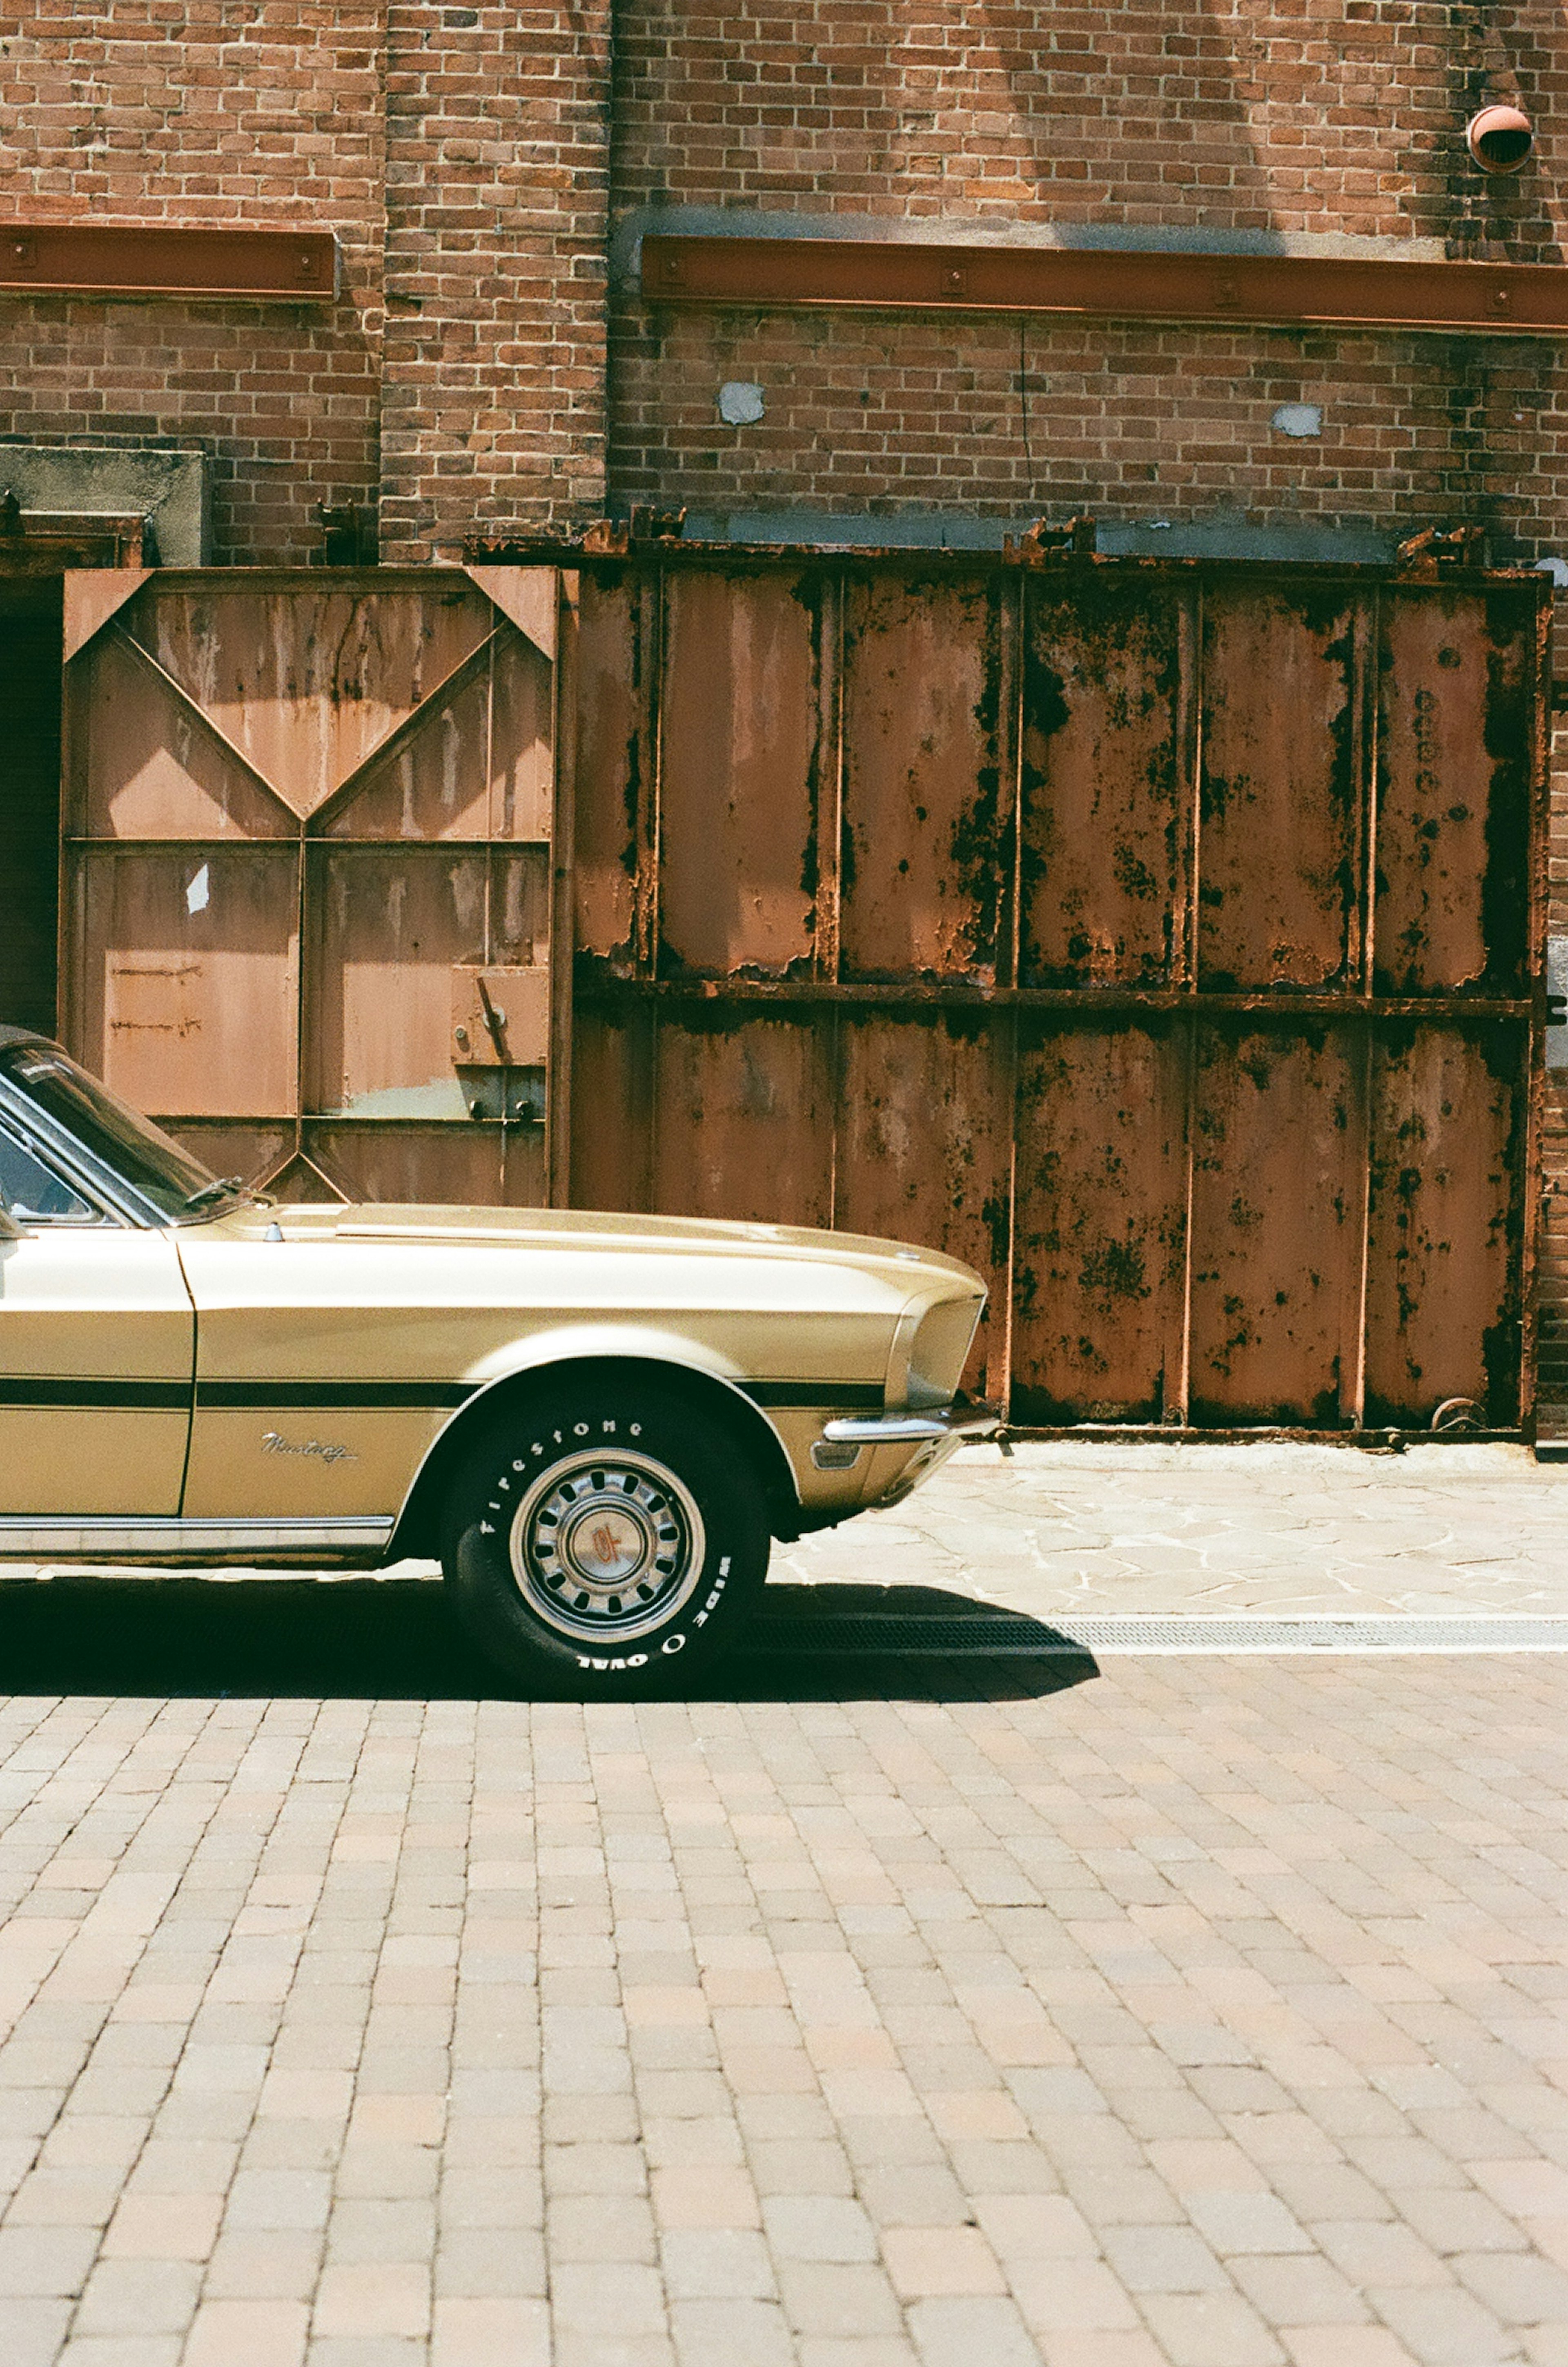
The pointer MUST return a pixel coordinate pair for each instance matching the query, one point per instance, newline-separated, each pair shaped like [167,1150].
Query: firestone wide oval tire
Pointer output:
[603,1536]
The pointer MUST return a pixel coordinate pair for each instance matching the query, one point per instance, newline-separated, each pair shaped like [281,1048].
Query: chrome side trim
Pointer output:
[963,1418]
[156,1540]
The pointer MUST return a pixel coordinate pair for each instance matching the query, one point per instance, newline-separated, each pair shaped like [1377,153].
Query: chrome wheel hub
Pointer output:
[604,1548]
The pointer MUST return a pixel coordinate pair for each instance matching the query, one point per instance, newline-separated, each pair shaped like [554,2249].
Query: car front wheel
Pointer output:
[603,1534]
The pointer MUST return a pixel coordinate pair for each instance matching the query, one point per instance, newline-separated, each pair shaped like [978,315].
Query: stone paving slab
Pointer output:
[1207,2012]
[1111,1527]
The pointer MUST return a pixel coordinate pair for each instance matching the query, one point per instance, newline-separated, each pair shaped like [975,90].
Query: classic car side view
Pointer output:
[597,1423]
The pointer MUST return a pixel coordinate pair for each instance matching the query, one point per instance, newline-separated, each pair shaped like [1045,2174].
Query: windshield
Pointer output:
[136,1149]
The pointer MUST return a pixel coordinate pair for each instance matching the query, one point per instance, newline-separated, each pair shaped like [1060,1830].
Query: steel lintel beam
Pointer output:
[1517,299]
[84,258]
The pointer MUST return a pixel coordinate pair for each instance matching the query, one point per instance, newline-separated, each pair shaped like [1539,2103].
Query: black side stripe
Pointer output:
[83,1394]
[845,1396]
[140,1397]
[366,1395]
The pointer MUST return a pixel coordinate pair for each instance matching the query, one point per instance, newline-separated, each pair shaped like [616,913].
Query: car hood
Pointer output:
[557,1229]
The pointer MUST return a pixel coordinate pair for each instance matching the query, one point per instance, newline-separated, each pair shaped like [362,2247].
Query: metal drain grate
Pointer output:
[986,1637]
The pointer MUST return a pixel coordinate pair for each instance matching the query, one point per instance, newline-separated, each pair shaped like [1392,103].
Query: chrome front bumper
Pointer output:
[965,1418]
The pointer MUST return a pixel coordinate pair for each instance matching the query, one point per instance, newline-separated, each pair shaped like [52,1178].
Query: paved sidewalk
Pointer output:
[1197,2013]
[1211,2014]
[1105,1528]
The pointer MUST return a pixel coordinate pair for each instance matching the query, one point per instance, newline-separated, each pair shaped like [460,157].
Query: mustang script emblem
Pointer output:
[327,1449]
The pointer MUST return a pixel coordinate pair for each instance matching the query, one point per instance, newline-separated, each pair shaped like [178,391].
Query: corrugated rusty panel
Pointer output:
[521,745]
[235,1146]
[614,760]
[1099,1247]
[1454,793]
[926,826]
[924,1145]
[186,965]
[744,1118]
[391,927]
[741,759]
[612,1108]
[463,1166]
[306,681]
[1108,694]
[1447,1220]
[143,765]
[520,906]
[1281,822]
[1278,1197]
[390,930]
[433,783]
[1093,689]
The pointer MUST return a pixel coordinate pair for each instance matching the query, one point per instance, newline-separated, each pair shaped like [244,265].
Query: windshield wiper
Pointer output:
[215,1191]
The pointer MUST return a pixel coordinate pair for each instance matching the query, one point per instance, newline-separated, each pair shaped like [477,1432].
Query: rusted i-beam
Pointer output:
[1522,298]
[87,258]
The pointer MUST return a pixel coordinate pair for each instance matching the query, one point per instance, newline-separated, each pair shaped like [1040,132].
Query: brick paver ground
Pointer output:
[1208,2012]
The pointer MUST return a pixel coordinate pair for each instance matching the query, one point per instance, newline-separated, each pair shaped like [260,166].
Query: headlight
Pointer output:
[939,1349]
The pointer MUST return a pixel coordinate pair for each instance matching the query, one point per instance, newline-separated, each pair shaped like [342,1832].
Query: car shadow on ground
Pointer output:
[394,1638]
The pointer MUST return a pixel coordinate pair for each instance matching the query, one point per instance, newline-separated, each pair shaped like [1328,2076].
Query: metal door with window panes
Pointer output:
[98,1345]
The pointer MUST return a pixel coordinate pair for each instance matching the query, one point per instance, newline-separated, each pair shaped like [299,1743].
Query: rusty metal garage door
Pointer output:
[1163,939]
[308,887]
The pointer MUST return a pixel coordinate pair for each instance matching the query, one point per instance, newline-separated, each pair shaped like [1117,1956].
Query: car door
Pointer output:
[97,1349]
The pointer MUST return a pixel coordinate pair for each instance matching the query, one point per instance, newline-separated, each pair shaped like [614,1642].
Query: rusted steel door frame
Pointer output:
[688,821]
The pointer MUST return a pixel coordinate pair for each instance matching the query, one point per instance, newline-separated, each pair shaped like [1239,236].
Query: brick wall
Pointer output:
[1129,111]
[266,114]
[1132,421]
[1132,117]
[462,156]
[459,153]
[498,195]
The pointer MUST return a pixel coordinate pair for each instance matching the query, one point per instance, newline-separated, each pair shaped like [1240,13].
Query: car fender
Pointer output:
[575,1343]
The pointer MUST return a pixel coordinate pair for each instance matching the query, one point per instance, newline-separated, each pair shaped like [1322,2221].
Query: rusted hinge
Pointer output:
[349,535]
[1077,540]
[612,537]
[1445,548]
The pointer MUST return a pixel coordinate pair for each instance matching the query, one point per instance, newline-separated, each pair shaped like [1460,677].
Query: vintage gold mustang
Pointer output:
[596,1423]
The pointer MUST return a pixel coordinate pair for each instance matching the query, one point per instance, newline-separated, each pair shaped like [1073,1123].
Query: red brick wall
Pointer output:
[1132,421]
[461,155]
[1290,119]
[1137,116]
[458,154]
[498,194]
[215,114]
